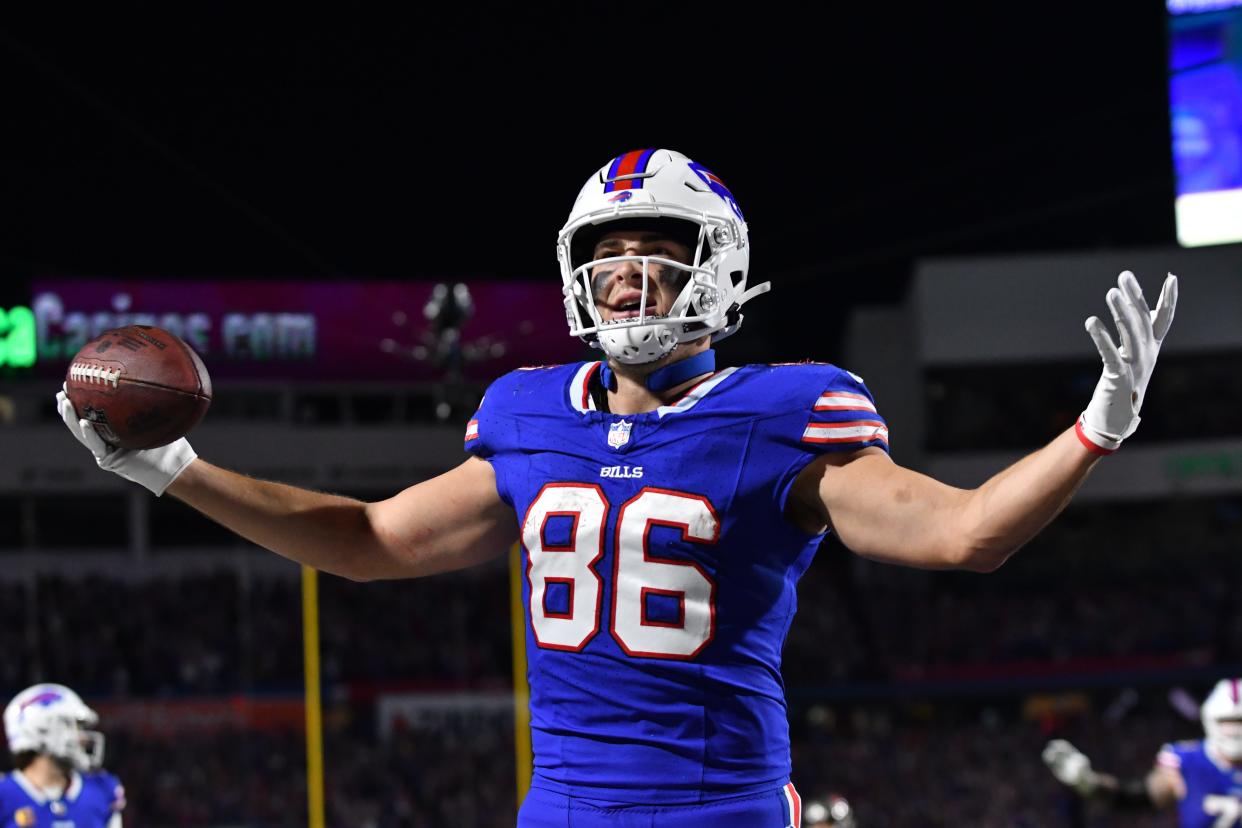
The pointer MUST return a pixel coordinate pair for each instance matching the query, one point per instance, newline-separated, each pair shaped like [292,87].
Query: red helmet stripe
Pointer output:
[628,164]
[625,165]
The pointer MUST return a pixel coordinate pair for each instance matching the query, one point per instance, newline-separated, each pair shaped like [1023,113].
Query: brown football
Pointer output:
[140,386]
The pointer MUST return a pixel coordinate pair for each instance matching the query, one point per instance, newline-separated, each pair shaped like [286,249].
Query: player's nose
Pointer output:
[628,271]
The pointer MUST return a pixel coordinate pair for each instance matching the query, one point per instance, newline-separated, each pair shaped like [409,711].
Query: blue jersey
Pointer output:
[661,571]
[92,800]
[1213,787]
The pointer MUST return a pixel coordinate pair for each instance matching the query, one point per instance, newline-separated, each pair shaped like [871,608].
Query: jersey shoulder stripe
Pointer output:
[848,431]
[1169,758]
[1175,754]
[844,401]
[841,414]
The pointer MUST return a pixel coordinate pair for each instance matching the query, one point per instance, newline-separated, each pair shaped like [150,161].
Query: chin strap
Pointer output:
[670,376]
[751,293]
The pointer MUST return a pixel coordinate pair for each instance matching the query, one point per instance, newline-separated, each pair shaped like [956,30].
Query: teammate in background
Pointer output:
[1202,779]
[58,780]
[667,508]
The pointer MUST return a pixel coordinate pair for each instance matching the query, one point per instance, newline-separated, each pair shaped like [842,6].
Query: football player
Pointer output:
[58,780]
[666,506]
[1201,779]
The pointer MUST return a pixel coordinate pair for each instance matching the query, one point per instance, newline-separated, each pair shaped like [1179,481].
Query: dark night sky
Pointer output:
[453,144]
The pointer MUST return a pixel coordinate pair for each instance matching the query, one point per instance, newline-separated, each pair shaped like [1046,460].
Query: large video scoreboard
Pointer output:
[1205,103]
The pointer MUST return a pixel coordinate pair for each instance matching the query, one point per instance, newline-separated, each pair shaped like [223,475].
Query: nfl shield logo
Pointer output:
[619,433]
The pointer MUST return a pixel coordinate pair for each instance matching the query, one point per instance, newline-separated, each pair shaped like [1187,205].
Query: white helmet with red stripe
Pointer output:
[692,204]
[1222,719]
[53,720]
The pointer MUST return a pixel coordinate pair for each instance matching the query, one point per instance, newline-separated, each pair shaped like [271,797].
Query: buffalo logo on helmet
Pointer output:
[717,186]
[42,699]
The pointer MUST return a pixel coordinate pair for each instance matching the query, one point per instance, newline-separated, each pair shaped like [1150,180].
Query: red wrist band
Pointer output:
[1086,441]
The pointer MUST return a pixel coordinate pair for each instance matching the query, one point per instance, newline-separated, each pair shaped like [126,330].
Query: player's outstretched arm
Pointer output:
[452,521]
[886,512]
[889,513]
[1162,788]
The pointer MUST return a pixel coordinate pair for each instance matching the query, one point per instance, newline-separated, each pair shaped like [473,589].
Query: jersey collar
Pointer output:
[1222,764]
[581,401]
[38,795]
[696,393]
[31,789]
[75,787]
[580,387]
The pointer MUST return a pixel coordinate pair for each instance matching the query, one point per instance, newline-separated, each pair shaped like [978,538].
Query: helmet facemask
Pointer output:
[67,739]
[89,752]
[1226,737]
[648,335]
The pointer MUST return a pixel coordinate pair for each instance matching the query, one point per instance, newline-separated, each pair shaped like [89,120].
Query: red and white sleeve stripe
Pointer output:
[850,431]
[843,401]
[1166,758]
[842,416]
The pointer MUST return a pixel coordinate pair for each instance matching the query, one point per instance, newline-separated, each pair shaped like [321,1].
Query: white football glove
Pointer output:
[1070,766]
[153,468]
[1113,413]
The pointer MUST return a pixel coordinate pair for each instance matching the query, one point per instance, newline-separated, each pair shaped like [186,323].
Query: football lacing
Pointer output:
[94,374]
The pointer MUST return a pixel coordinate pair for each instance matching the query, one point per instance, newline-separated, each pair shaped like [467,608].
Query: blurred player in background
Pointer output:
[58,778]
[1201,779]
[667,508]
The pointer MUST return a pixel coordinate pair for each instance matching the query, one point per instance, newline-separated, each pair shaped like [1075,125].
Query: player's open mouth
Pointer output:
[625,305]
[629,310]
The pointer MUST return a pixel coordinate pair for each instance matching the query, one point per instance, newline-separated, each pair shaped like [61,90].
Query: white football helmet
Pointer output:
[658,185]
[52,719]
[1222,719]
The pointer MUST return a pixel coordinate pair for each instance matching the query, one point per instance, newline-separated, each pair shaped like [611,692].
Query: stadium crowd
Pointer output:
[1095,592]
[996,407]
[1099,597]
